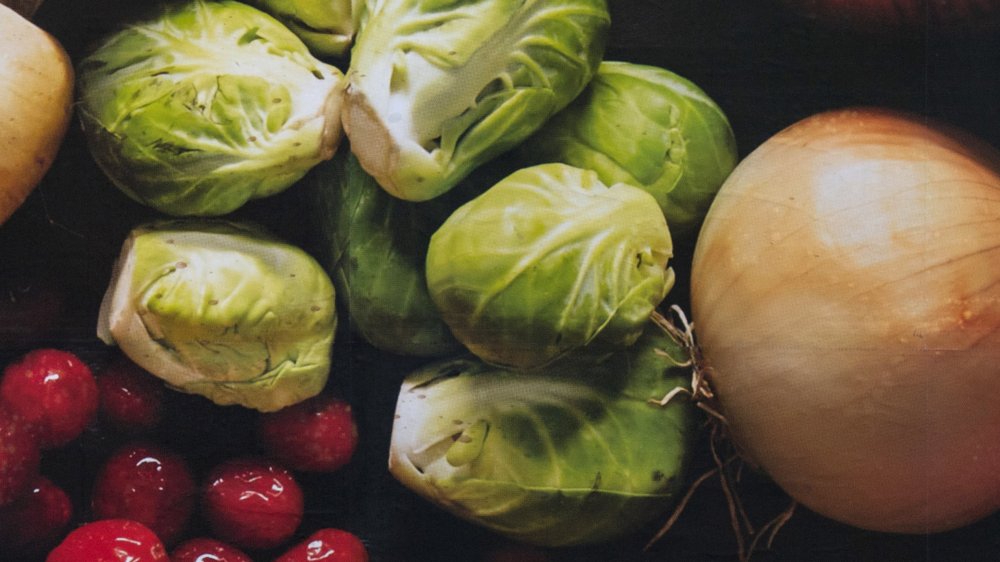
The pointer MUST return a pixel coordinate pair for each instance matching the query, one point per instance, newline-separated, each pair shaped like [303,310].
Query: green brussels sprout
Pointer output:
[326,27]
[223,310]
[207,105]
[648,127]
[549,261]
[559,457]
[438,88]
[374,246]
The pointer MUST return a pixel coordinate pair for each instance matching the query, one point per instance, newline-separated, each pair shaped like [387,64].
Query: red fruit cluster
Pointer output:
[317,435]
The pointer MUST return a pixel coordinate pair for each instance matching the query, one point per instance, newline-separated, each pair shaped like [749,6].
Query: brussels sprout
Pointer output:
[438,88]
[548,261]
[207,105]
[223,310]
[558,457]
[650,128]
[374,247]
[326,27]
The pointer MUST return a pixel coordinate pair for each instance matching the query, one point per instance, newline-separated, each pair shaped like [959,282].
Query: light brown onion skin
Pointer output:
[846,297]
[884,16]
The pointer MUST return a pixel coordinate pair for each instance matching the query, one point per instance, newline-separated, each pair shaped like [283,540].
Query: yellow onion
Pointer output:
[846,297]
[36,96]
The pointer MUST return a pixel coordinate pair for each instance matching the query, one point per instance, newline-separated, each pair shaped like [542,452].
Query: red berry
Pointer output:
[53,390]
[318,435]
[110,540]
[147,484]
[19,456]
[36,520]
[328,545]
[131,399]
[252,503]
[207,550]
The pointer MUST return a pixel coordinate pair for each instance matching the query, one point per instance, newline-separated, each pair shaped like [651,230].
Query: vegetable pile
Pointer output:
[446,253]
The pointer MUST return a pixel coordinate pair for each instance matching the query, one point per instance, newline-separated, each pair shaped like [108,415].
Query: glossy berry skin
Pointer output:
[148,484]
[207,550]
[36,521]
[110,540]
[327,545]
[131,399]
[317,435]
[252,503]
[53,390]
[19,456]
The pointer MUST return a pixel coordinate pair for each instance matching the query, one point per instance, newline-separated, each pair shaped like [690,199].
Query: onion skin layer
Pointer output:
[846,297]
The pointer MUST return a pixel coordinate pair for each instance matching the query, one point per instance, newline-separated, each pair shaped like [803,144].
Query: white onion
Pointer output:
[846,297]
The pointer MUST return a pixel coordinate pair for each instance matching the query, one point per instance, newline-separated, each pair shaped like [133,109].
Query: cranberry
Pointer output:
[328,545]
[131,399]
[207,550]
[252,503]
[318,435]
[110,540]
[147,484]
[53,390]
[19,456]
[35,522]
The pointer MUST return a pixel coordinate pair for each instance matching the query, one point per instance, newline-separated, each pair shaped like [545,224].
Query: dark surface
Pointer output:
[765,66]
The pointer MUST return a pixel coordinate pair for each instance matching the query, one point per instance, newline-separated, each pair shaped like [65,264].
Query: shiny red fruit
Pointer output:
[19,456]
[148,484]
[110,540]
[318,435]
[327,545]
[252,503]
[207,550]
[36,521]
[131,399]
[53,390]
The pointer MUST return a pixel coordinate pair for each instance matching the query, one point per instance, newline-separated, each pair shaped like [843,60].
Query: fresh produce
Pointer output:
[223,310]
[648,127]
[374,245]
[437,89]
[19,456]
[846,298]
[328,545]
[110,540]
[131,399]
[36,102]
[569,455]
[207,105]
[327,28]
[252,503]
[148,484]
[317,435]
[36,521]
[207,550]
[541,265]
[54,391]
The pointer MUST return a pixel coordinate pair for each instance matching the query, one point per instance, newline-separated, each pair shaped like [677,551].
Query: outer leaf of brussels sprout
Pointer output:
[222,310]
[437,88]
[374,247]
[549,261]
[206,106]
[326,27]
[560,457]
[650,128]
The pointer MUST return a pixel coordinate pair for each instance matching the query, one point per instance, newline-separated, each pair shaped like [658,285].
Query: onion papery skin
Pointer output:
[846,298]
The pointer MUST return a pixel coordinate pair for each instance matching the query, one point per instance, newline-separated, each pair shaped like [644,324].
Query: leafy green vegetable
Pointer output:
[438,88]
[564,456]
[223,310]
[648,127]
[326,27]
[549,261]
[207,105]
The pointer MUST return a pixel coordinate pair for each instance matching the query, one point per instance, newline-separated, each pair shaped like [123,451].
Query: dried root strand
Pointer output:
[702,395]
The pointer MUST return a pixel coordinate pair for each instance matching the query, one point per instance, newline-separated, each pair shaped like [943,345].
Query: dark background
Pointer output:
[765,65]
